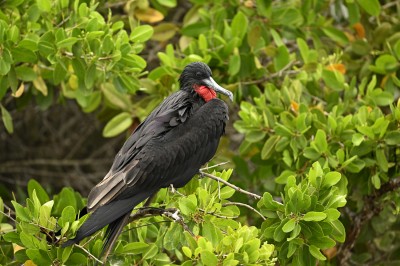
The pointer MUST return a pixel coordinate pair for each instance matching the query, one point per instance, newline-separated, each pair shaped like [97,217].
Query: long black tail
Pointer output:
[113,231]
[112,213]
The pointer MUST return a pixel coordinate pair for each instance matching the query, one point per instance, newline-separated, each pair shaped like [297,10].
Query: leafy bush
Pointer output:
[317,84]
[43,224]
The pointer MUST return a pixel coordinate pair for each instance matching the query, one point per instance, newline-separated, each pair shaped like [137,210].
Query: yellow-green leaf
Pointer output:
[117,125]
[7,120]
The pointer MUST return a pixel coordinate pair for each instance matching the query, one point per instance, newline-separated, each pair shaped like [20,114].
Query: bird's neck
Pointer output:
[204,92]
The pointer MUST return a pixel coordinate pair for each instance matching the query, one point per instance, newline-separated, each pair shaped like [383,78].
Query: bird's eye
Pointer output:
[198,74]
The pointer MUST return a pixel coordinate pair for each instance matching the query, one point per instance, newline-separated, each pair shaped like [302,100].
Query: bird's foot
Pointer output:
[176,216]
[201,174]
[173,190]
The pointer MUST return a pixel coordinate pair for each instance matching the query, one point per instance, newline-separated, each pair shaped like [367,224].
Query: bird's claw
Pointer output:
[175,215]
[201,174]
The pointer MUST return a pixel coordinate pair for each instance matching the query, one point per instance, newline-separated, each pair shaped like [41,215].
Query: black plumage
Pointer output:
[168,148]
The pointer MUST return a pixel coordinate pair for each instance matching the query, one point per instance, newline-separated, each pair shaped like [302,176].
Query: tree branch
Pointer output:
[89,254]
[170,213]
[244,205]
[280,73]
[238,189]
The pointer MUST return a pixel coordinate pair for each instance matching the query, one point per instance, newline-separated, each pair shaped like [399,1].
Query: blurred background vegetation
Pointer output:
[314,124]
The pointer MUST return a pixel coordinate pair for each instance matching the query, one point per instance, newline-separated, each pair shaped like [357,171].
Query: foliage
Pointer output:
[317,84]
[306,221]
[43,224]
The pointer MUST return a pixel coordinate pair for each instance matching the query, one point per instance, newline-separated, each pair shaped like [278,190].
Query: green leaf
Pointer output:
[21,212]
[212,233]
[392,138]
[59,73]
[188,205]
[269,146]
[77,259]
[376,181]
[4,66]
[331,178]
[289,226]
[239,25]
[195,29]
[316,253]
[333,79]
[314,216]
[372,7]
[25,73]
[142,33]
[151,252]
[279,235]
[304,50]
[322,242]
[117,125]
[381,159]
[282,58]
[90,76]
[187,251]
[287,16]
[44,5]
[332,214]
[320,143]
[226,192]
[357,139]
[33,185]
[234,65]
[336,35]
[167,3]
[255,135]
[208,258]
[67,43]
[338,232]
[7,120]
[311,153]
[22,54]
[135,247]
[12,79]
[67,215]
[38,256]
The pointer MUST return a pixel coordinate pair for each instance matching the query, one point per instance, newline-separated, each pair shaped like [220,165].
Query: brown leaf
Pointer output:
[330,252]
[149,15]
[360,30]
[294,105]
[338,67]
[164,32]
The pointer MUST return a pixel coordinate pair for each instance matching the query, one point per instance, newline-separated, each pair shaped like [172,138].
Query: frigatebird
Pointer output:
[167,148]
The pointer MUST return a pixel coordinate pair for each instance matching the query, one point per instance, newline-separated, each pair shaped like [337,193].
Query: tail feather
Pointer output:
[111,213]
[113,231]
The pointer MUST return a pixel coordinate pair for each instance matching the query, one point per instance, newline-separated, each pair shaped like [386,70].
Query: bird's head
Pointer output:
[197,77]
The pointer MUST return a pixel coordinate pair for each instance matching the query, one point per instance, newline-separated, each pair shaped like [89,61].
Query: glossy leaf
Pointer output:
[117,125]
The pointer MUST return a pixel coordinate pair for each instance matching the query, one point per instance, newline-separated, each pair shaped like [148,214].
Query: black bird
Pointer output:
[167,148]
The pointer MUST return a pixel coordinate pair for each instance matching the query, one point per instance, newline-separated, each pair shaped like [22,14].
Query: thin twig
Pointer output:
[170,213]
[89,254]
[213,166]
[278,74]
[218,215]
[238,189]
[8,216]
[244,205]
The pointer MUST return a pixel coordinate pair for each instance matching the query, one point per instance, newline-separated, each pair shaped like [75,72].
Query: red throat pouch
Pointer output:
[206,93]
